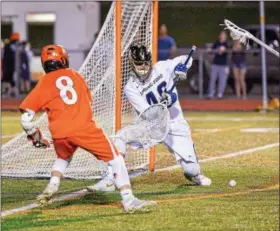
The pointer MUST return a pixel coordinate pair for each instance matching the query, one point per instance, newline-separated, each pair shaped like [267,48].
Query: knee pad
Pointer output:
[120,173]
[191,169]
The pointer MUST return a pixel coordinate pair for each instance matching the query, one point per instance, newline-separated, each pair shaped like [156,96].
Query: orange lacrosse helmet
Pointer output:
[54,57]
[15,36]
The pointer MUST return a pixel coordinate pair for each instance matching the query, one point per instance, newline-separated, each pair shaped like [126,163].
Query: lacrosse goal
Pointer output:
[106,71]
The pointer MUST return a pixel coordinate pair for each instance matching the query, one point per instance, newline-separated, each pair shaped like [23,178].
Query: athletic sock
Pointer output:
[54,181]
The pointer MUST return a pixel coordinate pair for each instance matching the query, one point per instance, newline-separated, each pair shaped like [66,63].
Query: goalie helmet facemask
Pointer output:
[141,61]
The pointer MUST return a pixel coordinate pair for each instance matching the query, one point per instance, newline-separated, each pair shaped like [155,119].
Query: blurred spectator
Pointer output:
[219,67]
[166,44]
[26,55]
[9,65]
[2,50]
[239,67]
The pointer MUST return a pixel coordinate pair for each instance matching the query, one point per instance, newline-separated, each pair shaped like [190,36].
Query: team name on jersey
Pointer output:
[151,84]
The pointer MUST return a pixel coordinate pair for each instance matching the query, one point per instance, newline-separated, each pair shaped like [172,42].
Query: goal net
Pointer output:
[21,159]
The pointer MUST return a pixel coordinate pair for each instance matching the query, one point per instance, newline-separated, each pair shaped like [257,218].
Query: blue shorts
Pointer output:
[239,65]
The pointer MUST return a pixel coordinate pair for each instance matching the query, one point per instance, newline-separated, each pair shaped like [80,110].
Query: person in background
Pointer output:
[9,65]
[2,49]
[239,67]
[166,44]
[219,67]
[25,58]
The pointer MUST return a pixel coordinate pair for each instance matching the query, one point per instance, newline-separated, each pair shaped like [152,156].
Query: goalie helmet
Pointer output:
[54,57]
[140,59]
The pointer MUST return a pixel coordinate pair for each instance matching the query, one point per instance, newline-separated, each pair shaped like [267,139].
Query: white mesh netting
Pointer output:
[20,159]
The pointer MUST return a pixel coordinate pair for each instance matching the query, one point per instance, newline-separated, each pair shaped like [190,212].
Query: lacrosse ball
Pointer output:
[232,183]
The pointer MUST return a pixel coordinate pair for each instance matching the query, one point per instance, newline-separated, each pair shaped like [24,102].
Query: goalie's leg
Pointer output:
[106,184]
[180,143]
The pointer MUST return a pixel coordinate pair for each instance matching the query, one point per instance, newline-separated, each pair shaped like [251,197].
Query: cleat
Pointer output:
[105,185]
[136,205]
[47,194]
[201,180]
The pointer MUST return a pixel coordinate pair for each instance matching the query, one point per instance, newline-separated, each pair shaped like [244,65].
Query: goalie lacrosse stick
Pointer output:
[243,36]
[185,63]
[150,128]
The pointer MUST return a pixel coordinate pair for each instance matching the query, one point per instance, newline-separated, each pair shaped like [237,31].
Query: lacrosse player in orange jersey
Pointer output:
[64,95]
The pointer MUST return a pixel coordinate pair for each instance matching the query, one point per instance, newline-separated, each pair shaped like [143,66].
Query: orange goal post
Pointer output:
[106,70]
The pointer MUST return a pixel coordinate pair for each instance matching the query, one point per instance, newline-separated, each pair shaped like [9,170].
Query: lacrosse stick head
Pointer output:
[149,129]
[237,33]
[156,120]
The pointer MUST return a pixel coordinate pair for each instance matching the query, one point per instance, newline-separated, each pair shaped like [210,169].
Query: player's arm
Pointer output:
[176,67]
[29,107]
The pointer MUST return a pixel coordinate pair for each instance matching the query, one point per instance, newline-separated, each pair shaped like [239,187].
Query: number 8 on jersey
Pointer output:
[66,88]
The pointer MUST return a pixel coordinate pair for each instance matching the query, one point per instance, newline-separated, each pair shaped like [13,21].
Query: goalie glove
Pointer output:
[180,71]
[38,140]
[168,98]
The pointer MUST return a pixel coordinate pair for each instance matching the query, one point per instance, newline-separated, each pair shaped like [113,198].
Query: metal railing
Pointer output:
[201,66]
[203,59]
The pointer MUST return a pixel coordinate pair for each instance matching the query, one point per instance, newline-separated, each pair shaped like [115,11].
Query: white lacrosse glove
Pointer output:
[180,71]
[38,140]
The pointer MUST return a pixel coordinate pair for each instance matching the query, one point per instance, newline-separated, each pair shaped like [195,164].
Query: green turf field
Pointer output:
[252,205]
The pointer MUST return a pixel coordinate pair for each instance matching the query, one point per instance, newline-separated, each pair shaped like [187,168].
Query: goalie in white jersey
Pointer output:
[152,85]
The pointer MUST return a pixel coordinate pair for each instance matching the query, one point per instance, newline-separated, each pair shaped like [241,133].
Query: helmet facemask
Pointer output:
[141,62]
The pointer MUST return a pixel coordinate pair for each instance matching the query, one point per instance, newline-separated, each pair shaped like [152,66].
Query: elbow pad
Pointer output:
[27,122]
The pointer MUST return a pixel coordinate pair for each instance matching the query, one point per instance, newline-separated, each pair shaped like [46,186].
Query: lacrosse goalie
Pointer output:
[153,85]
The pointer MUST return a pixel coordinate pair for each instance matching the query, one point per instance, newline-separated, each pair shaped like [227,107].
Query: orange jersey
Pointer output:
[64,95]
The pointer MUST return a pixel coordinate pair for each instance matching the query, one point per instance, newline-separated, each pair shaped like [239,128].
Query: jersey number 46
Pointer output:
[151,98]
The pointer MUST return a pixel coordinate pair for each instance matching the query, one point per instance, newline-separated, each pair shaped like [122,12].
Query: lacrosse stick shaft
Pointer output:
[186,62]
[236,29]
[270,49]
[190,55]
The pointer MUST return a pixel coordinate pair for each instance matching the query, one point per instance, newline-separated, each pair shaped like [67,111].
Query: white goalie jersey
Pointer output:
[141,96]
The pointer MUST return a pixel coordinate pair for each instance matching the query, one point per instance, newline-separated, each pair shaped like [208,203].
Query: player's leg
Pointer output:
[237,82]
[223,75]
[14,91]
[243,81]
[65,151]
[212,83]
[106,184]
[180,143]
[96,142]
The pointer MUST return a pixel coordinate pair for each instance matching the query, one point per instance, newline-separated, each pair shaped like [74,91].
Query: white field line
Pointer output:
[83,192]
[229,155]
[10,118]
[235,119]
[9,136]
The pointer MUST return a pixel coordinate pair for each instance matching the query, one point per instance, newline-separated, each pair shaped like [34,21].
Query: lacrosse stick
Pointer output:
[243,36]
[186,62]
[150,128]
